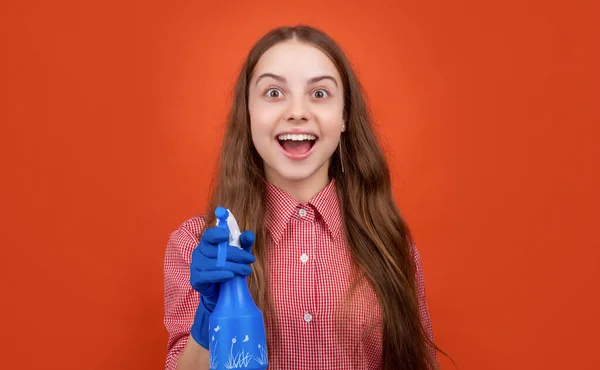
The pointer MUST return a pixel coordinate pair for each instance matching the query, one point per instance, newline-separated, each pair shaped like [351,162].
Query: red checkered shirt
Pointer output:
[309,264]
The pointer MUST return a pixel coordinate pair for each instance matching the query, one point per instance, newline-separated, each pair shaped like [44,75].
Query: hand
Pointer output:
[205,276]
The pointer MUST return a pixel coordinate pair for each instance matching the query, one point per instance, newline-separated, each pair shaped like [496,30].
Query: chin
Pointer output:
[295,174]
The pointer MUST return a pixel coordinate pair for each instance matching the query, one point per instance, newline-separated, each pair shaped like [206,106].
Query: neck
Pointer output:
[301,190]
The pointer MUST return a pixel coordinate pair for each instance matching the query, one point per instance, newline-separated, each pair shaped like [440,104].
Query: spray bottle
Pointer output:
[237,337]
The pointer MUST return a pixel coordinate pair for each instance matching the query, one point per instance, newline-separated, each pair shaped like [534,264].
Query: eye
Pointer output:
[320,94]
[273,93]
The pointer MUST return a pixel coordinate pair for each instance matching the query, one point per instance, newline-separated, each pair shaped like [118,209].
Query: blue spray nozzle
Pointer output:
[222,215]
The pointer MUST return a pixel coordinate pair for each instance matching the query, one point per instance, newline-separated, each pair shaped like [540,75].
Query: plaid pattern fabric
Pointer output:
[310,272]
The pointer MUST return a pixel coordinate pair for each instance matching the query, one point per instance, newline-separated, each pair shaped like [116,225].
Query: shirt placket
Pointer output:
[307,266]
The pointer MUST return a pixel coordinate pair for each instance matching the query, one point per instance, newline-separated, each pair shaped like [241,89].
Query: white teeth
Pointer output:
[297,137]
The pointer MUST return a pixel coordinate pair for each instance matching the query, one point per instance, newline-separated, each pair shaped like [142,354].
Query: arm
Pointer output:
[194,356]
[423,309]
[181,302]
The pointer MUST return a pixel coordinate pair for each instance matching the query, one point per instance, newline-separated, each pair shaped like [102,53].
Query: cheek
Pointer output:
[331,125]
[331,116]
[332,135]
[263,119]
[261,129]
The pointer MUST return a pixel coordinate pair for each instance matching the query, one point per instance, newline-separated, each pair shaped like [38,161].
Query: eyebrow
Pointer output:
[283,80]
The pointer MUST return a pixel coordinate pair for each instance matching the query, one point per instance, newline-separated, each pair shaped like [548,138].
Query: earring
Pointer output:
[341,159]
[343,127]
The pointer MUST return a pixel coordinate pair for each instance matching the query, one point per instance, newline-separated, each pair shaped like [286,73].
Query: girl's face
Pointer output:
[296,105]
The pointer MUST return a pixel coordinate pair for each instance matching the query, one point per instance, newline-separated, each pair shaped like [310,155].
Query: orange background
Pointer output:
[111,115]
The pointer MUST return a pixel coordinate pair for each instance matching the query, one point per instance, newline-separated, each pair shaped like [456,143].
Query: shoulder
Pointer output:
[185,238]
[417,263]
[191,228]
[416,256]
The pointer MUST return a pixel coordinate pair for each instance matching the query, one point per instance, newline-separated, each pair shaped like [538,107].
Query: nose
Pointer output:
[298,110]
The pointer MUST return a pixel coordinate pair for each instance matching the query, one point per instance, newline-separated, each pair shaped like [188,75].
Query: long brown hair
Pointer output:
[378,238]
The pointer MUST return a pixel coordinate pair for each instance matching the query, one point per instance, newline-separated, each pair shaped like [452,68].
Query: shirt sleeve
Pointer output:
[423,309]
[180,299]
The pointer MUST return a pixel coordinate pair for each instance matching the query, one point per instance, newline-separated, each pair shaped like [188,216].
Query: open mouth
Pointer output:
[297,145]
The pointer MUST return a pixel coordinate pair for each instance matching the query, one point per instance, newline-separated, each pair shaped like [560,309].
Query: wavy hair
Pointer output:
[377,236]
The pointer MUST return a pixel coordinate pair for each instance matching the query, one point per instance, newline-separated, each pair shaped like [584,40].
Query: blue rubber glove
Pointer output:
[205,276]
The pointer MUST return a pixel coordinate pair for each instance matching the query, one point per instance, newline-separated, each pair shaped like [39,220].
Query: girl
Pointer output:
[333,267]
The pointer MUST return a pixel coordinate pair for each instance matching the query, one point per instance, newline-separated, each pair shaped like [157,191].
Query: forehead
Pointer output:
[295,60]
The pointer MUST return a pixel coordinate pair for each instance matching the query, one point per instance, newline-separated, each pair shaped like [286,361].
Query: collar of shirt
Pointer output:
[281,207]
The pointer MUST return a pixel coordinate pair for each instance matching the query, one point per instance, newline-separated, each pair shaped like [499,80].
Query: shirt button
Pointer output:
[307,317]
[304,258]
[302,212]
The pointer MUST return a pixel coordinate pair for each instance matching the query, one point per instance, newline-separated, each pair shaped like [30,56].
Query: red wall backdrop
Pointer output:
[111,115]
